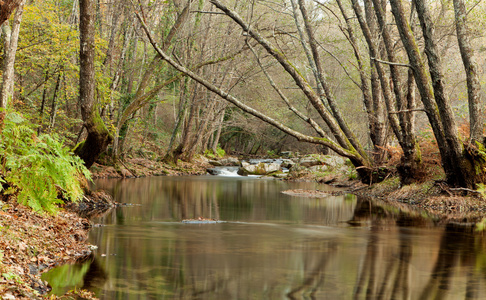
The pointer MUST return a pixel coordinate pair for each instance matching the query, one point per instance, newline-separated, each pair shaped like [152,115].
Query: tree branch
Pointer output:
[223,94]
[391,63]
[406,111]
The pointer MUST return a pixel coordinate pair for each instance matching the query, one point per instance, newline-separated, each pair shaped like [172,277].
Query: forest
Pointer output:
[394,86]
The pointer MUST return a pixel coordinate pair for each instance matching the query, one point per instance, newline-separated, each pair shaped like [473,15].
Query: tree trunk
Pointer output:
[52,118]
[336,112]
[98,136]
[476,109]
[373,50]
[410,168]
[7,7]
[430,83]
[11,42]
[371,94]
[355,157]
[214,147]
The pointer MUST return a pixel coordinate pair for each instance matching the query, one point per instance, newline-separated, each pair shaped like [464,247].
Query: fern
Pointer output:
[39,169]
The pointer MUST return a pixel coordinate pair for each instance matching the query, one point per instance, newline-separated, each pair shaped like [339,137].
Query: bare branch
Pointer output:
[207,12]
[406,111]
[391,63]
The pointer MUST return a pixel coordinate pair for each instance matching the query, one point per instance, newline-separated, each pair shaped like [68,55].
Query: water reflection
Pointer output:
[274,246]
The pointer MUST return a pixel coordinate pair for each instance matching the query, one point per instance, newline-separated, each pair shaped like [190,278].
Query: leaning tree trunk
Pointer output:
[98,135]
[351,153]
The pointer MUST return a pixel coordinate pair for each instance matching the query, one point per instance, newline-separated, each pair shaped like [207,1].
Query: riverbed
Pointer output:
[269,245]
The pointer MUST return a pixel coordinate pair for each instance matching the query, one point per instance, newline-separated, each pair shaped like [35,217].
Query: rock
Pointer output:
[280,175]
[258,169]
[228,162]
[212,171]
[231,161]
[286,154]
[335,161]
[310,162]
[287,163]
[215,163]
[319,168]
[328,179]
[33,270]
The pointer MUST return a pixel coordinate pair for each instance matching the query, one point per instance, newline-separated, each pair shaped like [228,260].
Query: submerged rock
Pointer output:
[202,221]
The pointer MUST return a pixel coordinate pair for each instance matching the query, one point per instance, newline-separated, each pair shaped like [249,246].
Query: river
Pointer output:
[270,246]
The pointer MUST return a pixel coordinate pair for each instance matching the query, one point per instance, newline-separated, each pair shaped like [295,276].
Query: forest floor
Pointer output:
[32,243]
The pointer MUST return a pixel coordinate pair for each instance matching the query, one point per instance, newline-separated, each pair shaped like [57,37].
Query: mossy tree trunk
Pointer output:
[476,109]
[98,135]
[462,165]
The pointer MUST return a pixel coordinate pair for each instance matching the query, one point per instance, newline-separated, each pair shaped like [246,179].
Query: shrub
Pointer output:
[219,153]
[38,169]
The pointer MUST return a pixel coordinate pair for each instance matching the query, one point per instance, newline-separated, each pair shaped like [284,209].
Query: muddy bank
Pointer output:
[434,197]
[141,167]
[32,243]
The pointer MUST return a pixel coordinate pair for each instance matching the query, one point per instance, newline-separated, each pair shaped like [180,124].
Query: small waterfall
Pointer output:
[224,171]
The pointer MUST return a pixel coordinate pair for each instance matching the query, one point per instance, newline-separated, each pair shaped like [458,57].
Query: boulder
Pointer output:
[310,162]
[215,163]
[335,161]
[229,161]
[287,163]
[212,171]
[258,169]
[319,168]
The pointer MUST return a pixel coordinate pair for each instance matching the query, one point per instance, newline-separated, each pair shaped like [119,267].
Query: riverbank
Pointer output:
[33,243]
[433,197]
[141,167]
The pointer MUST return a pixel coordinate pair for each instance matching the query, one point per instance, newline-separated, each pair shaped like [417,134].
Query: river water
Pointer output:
[271,246]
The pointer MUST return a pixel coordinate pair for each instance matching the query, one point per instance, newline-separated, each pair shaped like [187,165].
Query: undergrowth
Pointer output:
[39,170]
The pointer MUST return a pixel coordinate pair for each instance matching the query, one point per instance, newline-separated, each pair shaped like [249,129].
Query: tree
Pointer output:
[476,109]
[411,160]
[98,135]
[343,146]
[460,170]
[11,42]
[7,7]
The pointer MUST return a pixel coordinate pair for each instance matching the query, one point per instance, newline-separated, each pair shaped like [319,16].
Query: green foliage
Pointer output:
[219,153]
[481,188]
[39,169]
[272,154]
[12,276]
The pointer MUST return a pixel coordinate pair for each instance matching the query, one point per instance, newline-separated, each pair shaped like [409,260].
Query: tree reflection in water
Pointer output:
[278,247]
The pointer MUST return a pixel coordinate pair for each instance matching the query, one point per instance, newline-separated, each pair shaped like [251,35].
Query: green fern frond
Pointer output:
[39,168]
